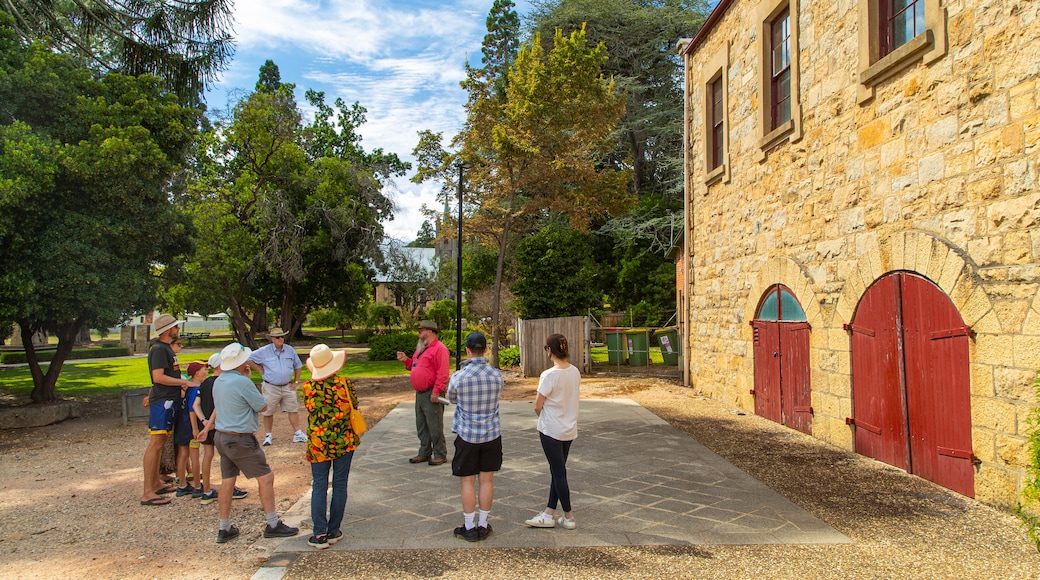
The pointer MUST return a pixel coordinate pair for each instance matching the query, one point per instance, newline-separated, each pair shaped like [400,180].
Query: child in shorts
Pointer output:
[186,433]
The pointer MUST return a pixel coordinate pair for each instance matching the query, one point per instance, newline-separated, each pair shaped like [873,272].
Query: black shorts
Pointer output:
[474,458]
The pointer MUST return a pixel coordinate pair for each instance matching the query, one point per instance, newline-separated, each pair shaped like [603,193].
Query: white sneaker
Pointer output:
[542,520]
[267,440]
[299,437]
[567,524]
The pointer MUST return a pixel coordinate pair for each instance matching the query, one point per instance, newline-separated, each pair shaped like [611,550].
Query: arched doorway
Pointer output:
[781,347]
[911,395]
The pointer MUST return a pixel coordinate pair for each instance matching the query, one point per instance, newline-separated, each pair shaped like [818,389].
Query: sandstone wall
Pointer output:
[936,174]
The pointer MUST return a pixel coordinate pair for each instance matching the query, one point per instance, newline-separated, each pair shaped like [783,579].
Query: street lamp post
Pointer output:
[458,275]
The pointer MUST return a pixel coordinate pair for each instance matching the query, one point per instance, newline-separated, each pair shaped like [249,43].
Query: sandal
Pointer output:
[157,501]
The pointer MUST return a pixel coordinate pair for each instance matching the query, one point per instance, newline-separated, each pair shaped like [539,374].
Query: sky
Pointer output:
[402,60]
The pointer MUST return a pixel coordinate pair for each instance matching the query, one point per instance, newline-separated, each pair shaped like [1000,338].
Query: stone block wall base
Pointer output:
[38,415]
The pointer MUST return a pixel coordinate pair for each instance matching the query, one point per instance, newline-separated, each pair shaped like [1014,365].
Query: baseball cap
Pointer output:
[476,341]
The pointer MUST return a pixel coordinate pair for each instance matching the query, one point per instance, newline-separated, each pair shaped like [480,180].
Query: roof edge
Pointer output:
[712,19]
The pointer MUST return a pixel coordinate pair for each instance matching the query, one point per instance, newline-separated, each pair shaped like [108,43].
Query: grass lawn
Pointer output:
[84,379]
[600,355]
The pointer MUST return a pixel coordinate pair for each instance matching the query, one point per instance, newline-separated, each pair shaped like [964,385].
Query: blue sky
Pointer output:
[402,60]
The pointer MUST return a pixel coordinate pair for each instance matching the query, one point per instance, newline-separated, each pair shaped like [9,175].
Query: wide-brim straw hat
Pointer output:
[325,362]
[233,356]
[163,323]
[275,332]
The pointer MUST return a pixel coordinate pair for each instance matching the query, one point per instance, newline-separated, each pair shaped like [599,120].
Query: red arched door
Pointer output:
[781,347]
[911,394]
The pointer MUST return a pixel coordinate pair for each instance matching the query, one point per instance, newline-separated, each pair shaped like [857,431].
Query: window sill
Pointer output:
[898,59]
[715,175]
[776,136]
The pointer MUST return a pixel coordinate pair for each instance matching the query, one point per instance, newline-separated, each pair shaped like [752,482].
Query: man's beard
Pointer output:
[420,346]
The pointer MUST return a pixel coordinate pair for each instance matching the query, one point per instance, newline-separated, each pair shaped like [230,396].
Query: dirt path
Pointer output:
[69,497]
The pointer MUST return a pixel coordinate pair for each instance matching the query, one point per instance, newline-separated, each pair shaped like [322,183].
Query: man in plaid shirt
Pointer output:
[475,390]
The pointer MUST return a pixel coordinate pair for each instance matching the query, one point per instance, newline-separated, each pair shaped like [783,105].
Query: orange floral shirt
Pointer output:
[328,403]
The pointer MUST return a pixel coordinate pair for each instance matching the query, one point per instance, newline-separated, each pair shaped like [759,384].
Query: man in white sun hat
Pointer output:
[238,404]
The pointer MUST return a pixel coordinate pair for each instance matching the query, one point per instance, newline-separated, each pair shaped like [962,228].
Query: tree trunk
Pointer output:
[496,300]
[241,325]
[285,318]
[45,385]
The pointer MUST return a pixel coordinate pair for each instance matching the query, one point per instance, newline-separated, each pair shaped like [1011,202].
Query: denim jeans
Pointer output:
[340,467]
[556,452]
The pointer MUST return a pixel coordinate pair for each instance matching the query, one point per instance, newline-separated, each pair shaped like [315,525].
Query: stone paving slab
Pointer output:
[635,480]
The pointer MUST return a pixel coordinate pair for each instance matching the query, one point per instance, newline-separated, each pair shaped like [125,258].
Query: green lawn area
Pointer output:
[600,355]
[83,379]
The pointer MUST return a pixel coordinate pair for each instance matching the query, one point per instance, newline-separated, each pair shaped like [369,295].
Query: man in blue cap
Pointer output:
[475,389]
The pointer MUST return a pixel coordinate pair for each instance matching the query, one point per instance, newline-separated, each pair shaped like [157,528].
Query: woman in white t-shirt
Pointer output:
[557,407]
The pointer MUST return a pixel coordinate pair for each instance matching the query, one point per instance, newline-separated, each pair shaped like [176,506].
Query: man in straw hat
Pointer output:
[280,367]
[167,388]
[429,377]
[238,404]
[331,441]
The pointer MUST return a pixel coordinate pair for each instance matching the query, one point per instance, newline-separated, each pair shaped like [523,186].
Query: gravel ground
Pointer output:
[69,508]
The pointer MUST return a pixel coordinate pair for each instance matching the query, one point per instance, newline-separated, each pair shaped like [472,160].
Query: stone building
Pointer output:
[862,253]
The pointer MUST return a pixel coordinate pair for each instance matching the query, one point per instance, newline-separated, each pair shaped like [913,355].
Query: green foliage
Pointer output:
[185,43]
[10,358]
[1029,510]
[509,357]
[556,274]
[364,335]
[386,346]
[85,189]
[425,236]
[443,313]
[381,315]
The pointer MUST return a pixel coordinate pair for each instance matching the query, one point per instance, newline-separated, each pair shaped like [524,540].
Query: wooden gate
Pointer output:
[531,335]
[781,348]
[910,379]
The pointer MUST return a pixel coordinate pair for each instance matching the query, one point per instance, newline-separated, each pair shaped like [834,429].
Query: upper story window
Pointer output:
[718,124]
[780,112]
[897,34]
[780,79]
[901,21]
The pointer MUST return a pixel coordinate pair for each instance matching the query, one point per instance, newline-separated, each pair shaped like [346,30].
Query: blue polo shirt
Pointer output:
[279,365]
[237,402]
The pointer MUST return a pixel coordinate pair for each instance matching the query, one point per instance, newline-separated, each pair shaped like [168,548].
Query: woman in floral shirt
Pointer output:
[330,441]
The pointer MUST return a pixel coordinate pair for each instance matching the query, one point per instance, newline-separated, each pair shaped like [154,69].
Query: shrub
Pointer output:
[11,358]
[386,346]
[1029,510]
[383,315]
[443,313]
[509,357]
[364,335]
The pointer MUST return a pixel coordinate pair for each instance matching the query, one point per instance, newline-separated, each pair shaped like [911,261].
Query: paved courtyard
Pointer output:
[635,480]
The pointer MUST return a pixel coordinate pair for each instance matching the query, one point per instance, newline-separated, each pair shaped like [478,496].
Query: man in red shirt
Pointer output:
[429,376]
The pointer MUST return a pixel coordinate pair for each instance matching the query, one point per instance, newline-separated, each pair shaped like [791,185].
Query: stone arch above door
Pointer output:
[786,271]
[931,256]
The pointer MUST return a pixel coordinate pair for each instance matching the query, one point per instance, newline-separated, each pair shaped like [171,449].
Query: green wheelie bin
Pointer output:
[668,338]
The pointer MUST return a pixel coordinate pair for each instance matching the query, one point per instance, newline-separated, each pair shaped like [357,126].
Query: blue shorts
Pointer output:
[160,417]
[182,434]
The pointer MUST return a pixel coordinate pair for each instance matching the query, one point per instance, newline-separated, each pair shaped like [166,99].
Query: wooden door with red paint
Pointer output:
[910,381]
[781,348]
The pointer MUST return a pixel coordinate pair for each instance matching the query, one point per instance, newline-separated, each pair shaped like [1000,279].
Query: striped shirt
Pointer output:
[475,389]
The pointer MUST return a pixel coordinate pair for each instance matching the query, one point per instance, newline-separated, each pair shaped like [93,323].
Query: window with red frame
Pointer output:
[717,124]
[901,21]
[780,83]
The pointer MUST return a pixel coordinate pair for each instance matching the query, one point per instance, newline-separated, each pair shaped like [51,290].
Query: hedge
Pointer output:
[386,346]
[10,358]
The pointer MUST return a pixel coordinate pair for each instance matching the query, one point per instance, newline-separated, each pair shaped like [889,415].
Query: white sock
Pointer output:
[483,518]
[468,519]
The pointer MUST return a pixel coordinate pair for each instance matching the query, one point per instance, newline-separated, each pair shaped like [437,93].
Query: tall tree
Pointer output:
[556,274]
[85,210]
[306,200]
[184,42]
[537,147]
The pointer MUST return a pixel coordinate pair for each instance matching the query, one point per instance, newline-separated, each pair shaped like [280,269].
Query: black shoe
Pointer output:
[334,537]
[225,535]
[280,531]
[319,542]
[483,532]
[470,535]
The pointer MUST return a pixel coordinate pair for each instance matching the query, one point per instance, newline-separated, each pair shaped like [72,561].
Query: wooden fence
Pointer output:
[531,335]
